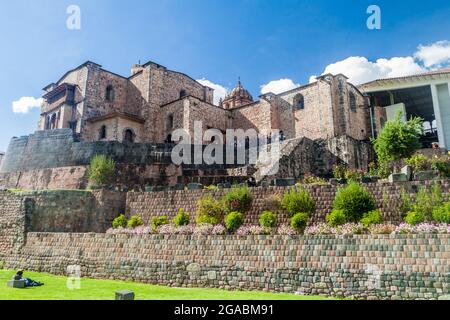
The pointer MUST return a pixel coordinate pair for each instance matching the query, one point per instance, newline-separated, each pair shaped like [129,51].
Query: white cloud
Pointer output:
[219,91]
[360,69]
[278,86]
[435,55]
[25,104]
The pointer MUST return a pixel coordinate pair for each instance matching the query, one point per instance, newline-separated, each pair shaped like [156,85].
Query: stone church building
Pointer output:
[99,105]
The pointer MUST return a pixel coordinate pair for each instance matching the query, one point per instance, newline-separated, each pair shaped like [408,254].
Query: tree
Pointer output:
[398,139]
[101,169]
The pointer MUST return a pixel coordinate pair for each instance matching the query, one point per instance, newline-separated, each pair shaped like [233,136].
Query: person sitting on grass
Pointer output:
[28,282]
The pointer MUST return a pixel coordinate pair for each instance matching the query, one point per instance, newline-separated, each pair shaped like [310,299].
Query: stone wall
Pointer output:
[61,210]
[385,267]
[387,197]
[12,222]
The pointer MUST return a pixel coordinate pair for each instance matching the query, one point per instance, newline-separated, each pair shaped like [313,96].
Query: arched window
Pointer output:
[102,134]
[299,102]
[352,101]
[128,136]
[183,93]
[110,94]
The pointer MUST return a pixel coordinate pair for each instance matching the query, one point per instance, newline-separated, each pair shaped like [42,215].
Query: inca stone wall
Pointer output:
[12,222]
[387,197]
[384,267]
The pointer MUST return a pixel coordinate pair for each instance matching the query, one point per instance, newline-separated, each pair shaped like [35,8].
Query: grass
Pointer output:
[55,288]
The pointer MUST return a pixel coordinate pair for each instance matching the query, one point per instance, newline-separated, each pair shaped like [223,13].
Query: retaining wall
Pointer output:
[386,267]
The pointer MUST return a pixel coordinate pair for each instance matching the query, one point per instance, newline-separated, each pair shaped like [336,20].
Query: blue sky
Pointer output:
[261,41]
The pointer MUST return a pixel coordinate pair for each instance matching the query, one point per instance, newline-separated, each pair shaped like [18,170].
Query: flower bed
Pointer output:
[318,229]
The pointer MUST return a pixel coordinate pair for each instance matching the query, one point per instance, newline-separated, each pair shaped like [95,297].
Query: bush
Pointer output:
[273,203]
[354,175]
[208,211]
[354,200]
[312,179]
[427,200]
[371,218]
[418,162]
[233,221]
[406,201]
[336,218]
[157,222]
[134,222]
[339,171]
[237,199]
[119,222]
[298,201]
[398,139]
[442,214]
[442,164]
[414,218]
[182,218]
[268,220]
[299,221]
[101,169]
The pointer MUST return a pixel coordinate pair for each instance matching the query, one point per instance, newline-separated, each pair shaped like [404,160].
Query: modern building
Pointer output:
[424,95]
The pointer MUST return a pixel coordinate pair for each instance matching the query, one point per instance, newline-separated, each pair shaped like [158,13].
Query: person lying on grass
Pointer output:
[28,282]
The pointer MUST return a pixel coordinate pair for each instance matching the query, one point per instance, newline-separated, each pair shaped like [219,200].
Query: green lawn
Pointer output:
[55,289]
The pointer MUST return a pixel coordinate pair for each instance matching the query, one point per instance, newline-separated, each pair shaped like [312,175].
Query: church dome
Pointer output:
[239,96]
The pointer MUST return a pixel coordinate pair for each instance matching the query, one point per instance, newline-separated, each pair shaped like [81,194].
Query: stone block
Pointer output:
[407,170]
[398,177]
[426,175]
[20,284]
[195,186]
[125,295]
[284,182]
[445,297]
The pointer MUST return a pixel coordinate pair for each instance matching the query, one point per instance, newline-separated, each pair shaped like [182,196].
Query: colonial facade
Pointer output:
[99,105]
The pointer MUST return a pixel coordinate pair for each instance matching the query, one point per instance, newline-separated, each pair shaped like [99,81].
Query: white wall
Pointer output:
[443,95]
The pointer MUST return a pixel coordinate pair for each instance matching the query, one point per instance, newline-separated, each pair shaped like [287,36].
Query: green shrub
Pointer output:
[268,220]
[406,201]
[101,169]
[353,175]
[237,199]
[372,217]
[336,218]
[442,164]
[157,222]
[312,179]
[427,200]
[339,171]
[119,222]
[134,222]
[233,221]
[182,218]
[398,139]
[354,200]
[273,203]
[414,218]
[418,162]
[298,201]
[208,211]
[442,214]
[299,221]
